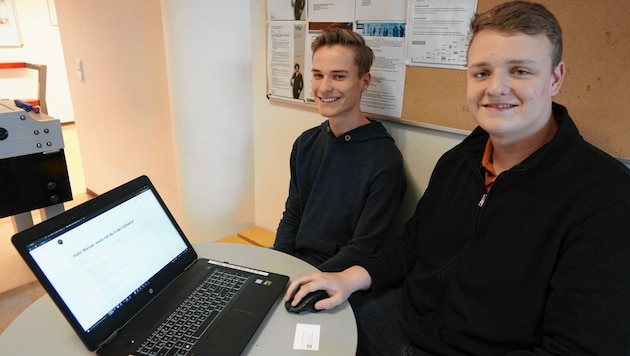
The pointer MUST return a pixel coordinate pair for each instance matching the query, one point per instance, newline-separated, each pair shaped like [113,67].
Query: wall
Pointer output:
[166,93]
[121,107]
[41,45]
[209,60]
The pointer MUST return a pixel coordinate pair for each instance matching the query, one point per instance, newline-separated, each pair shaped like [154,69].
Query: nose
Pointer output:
[499,84]
[325,83]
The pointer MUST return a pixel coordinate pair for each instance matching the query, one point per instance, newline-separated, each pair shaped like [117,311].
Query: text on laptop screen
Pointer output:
[94,265]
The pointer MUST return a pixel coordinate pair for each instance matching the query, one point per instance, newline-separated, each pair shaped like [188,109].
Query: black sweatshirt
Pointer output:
[344,195]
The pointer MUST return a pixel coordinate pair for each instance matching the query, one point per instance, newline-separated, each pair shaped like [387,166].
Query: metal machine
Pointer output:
[33,169]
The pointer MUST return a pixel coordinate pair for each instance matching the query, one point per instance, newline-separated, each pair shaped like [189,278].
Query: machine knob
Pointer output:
[3,133]
[51,186]
[54,199]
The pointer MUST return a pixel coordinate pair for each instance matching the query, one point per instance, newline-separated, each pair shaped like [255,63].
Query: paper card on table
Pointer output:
[306,337]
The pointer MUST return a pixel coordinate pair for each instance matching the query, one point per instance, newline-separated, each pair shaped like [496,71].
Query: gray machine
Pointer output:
[33,169]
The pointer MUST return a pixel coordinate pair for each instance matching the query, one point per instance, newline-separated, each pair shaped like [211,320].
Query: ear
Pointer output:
[366,80]
[557,76]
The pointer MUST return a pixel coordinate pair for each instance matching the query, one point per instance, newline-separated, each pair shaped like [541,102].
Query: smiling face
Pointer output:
[510,84]
[336,84]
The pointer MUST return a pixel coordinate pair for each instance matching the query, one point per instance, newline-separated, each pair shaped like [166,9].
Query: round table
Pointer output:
[42,330]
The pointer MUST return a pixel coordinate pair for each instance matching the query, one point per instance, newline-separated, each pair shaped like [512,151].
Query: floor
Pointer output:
[14,301]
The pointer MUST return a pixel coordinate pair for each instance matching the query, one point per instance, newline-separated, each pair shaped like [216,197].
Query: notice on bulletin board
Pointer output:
[439,32]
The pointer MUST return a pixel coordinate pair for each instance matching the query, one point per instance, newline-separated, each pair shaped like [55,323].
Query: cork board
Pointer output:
[596,88]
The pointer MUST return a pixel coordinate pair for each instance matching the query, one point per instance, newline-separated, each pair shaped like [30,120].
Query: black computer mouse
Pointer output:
[307,303]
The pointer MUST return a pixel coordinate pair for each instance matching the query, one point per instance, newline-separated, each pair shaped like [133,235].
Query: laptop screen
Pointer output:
[94,263]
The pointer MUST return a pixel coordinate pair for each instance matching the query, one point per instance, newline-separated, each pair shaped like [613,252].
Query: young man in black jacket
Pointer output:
[519,246]
[347,175]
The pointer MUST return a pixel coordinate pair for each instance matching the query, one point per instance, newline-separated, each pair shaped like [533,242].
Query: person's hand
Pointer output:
[339,286]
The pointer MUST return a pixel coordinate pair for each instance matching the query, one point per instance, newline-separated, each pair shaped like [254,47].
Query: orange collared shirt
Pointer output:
[486,163]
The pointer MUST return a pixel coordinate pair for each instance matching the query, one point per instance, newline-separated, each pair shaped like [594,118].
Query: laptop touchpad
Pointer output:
[231,329]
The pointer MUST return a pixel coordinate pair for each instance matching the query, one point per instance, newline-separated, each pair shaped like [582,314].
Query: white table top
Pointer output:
[42,330]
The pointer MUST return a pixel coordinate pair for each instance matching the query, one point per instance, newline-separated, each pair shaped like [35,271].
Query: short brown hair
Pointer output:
[525,17]
[364,56]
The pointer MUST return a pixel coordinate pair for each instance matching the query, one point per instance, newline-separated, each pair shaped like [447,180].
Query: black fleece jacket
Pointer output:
[541,265]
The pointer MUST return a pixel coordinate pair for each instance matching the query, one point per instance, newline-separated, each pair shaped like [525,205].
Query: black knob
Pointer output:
[54,199]
[51,186]
[3,133]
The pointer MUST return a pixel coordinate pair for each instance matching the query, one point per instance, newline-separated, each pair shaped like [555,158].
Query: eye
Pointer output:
[316,76]
[521,72]
[480,74]
[339,76]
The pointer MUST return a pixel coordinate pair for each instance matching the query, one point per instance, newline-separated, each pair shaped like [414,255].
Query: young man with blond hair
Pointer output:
[347,175]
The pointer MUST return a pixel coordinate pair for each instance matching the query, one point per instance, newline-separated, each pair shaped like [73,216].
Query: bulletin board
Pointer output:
[596,89]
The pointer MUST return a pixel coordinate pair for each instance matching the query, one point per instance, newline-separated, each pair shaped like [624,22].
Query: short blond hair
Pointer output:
[524,17]
[364,56]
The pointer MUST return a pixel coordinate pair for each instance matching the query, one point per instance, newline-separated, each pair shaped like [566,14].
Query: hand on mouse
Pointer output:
[307,304]
[339,286]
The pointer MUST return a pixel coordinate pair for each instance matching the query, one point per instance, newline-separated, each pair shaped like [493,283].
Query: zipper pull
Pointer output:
[483,200]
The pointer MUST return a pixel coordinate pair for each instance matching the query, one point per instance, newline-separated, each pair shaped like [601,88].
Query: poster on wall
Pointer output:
[438,32]
[282,10]
[285,65]
[9,28]
[387,41]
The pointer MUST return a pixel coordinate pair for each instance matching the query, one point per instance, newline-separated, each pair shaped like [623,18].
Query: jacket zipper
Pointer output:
[483,200]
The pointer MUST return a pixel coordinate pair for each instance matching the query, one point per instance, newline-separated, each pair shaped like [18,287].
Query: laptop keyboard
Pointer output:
[183,328]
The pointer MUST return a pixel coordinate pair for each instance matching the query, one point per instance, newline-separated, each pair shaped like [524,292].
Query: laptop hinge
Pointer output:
[190,265]
[110,338]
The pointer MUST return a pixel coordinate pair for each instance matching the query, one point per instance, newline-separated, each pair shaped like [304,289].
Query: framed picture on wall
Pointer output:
[9,27]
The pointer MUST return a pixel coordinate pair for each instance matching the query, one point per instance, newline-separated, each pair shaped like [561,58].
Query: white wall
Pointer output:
[41,45]
[122,109]
[167,93]
[209,60]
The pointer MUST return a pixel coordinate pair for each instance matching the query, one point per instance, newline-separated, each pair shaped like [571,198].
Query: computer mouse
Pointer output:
[307,303]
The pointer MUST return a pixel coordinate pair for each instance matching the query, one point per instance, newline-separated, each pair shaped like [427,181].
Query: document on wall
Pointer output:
[331,11]
[285,59]
[385,93]
[281,10]
[438,32]
[381,10]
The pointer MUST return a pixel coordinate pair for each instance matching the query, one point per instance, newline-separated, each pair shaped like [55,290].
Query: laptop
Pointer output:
[121,271]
